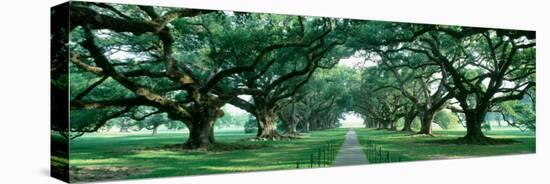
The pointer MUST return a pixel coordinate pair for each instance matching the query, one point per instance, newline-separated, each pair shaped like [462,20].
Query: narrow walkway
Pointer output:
[351,152]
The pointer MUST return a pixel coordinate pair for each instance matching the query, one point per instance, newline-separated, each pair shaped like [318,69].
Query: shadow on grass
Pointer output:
[460,141]
[216,147]
[164,155]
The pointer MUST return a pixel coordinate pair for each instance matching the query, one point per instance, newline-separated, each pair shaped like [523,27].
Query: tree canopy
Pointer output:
[159,65]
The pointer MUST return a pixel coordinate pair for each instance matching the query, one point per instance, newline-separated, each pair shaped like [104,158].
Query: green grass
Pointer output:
[413,147]
[138,155]
[143,151]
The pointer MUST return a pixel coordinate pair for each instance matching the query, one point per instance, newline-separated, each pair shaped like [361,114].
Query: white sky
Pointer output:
[228,108]
[356,61]
[351,120]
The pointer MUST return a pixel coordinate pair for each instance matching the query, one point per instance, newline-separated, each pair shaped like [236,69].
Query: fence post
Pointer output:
[326,154]
[332,155]
[368,152]
[311,161]
[369,156]
[319,158]
[380,154]
[334,151]
[329,152]
[374,155]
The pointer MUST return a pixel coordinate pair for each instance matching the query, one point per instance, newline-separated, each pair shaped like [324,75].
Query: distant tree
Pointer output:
[379,100]
[446,119]
[518,114]
[419,83]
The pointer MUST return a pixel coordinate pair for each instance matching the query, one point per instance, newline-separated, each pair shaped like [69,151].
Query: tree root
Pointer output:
[213,147]
[274,137]
[478,140]
[483,140]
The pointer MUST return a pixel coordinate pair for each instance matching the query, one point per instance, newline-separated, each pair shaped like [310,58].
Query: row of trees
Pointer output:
[153,122]
[139,61]
[422,69]
[184,65]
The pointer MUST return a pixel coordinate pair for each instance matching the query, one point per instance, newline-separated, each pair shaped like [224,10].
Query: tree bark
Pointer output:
[154,131]
[474,135]
[267,128]
[266,125]
[201,133]
[313,122]
[372,124]
[393,125]
[292,121]
[408,120]
[407,125]
[291,128]
[426,122]
[200,136]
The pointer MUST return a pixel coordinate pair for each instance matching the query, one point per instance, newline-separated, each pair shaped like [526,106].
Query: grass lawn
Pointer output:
[413,147]
[119,156]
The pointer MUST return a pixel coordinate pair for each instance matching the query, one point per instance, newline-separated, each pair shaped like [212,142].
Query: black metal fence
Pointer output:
[322,156]
[376,154]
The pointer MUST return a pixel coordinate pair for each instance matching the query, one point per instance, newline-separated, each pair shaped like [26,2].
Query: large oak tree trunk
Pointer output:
[291,128]
[407,125]
[426,122]
[201,133]
[293,122]
[266,126]
[408,120]
[474,135]
[200,136]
